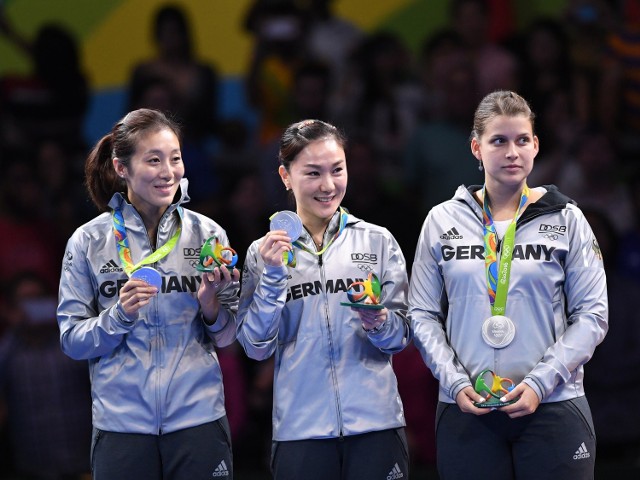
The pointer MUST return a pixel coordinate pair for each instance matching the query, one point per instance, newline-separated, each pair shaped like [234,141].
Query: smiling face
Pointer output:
[154,173]
[318,178]
[507,149]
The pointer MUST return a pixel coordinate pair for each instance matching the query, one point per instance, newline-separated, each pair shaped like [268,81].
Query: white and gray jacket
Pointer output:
[331,377]
[557,297]
[159,373]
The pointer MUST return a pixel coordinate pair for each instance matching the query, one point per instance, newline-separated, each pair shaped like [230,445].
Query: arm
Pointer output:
[390,331]
[427,310]
[84,331]
[218,297]
[262,298]
[585,290]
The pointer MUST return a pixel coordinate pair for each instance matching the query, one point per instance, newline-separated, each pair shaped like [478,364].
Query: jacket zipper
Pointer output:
[334,376]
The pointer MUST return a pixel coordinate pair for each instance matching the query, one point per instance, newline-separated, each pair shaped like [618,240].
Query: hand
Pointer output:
[212,283]
[525,405]
[135,294]
[273,246]
[371,318]
[465,400]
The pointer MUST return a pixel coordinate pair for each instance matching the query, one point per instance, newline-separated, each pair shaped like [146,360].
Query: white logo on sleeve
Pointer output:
[581,452]
[395,473]
[221,470]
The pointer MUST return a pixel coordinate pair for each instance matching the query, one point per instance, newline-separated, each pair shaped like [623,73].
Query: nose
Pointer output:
[165,170]
[512,151]
[327,184]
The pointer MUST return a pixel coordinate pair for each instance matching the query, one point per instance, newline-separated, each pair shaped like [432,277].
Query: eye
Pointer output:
[498,141]
[153,160]
[523,140]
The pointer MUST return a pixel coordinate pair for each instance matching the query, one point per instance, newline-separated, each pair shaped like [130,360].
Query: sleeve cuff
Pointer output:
[122,317]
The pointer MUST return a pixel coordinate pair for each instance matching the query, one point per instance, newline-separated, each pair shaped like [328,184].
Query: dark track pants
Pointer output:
[198,452]
[556,442]
[374,455]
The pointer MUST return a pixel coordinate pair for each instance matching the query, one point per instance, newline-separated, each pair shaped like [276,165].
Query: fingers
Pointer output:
[273,246]
[219,277]
[527,401]
[135,294]
[371,318]
[466,399]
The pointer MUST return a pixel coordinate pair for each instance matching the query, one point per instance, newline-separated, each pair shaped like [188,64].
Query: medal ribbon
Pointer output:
[498,278]
[291,259]
[122,243]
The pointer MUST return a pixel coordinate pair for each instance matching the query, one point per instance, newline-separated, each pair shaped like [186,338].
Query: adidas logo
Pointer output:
[451,235]
[110,267]
[221,470]
[581,452]
[395,473]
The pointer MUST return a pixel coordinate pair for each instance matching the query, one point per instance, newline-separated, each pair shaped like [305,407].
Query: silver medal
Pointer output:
[287,221]
[498,331]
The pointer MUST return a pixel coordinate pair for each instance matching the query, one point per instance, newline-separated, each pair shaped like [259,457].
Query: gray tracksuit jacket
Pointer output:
[557,297]
[331,377]
[160,372]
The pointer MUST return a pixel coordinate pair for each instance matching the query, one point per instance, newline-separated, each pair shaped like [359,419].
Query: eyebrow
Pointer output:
[156,151]
[334,164]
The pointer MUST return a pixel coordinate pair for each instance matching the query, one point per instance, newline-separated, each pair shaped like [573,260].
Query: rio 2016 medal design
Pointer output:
[289,222]
[371,290]
[149,275]
[498,331]
[500,386]
[214,254]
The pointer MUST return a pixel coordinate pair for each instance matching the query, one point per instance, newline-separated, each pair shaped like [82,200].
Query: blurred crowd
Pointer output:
[407,114]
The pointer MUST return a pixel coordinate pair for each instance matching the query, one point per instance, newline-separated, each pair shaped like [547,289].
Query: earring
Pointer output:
[480,167]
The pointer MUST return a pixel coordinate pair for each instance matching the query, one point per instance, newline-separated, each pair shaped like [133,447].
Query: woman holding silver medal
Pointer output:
[337,411]
[505,315]
[150,339]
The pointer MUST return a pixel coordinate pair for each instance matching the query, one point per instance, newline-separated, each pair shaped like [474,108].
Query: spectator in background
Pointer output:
[628,261]
[587,24]
[28,240]
[594,177]
[619,91]
[496,66]
[450,93]
[613,373]
[177,83]
[383,99]
[331,40]
[545,64]
[279,33]
[58,171]
[51,101]
[193,83]
[47,394]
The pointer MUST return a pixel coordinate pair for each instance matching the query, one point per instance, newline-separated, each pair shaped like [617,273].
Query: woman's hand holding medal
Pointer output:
[285,227]
[135,294]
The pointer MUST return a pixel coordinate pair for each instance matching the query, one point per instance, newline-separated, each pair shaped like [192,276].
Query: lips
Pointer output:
[164,188]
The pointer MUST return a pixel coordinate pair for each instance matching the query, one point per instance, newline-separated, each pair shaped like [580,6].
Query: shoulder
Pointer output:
[100,225]
[198,220]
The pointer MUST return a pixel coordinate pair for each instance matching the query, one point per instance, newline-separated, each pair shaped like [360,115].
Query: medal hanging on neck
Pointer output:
[290,258]
[498,330]
[139,270]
